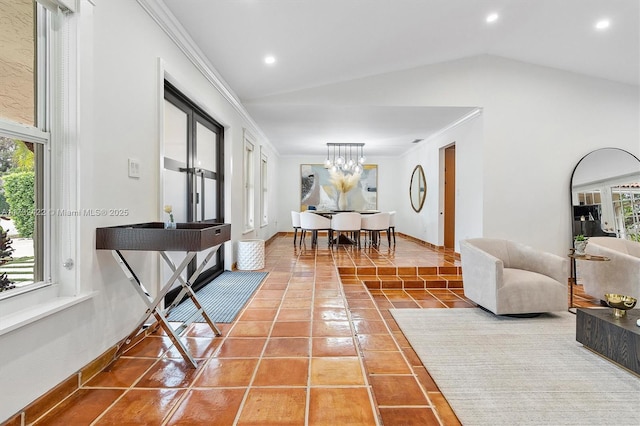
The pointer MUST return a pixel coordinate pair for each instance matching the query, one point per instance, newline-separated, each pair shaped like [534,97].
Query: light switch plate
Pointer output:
[134,168]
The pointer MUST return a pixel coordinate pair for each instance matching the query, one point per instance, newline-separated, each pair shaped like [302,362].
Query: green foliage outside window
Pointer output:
[5,257]
[19,190]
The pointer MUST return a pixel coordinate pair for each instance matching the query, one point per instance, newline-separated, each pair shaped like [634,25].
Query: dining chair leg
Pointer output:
[295,235]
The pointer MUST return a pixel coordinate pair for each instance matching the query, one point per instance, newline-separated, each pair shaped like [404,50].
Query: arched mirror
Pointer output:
[417,188]
[605,194]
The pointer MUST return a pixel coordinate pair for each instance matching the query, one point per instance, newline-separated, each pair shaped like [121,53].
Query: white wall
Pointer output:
[427,224]
[120,94]
[537,123]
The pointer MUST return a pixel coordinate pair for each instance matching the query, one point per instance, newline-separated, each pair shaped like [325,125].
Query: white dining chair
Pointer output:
[295,222]
[392,227]
[313,222]
[346,222]
[373,224]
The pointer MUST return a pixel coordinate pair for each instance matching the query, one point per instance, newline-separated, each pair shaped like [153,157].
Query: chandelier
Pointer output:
[347,157]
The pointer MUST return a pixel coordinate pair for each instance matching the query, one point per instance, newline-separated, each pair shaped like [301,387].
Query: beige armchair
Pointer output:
[506,277]
[620,275]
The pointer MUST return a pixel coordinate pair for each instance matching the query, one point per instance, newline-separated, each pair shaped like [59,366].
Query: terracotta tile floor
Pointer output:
[316,345]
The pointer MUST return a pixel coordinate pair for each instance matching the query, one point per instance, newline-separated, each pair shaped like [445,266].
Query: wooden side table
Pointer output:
[572,278]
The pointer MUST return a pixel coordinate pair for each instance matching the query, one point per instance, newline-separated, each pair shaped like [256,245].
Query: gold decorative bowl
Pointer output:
[620,304]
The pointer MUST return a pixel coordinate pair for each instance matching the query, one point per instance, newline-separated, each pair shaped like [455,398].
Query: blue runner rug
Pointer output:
[222,298]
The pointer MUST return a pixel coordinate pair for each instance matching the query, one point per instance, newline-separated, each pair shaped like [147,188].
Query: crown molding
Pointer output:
[455,124]
[170,25]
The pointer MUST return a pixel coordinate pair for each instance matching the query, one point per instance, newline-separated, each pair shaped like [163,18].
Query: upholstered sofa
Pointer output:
[620,275]
[506,277]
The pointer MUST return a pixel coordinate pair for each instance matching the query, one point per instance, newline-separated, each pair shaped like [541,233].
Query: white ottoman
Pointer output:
[250,255]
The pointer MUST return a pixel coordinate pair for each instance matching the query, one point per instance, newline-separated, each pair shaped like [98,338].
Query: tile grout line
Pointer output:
[372,399]
[249,386]
[401,351]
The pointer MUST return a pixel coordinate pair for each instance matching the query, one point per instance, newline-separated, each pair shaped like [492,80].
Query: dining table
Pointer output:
[331,213]
[342,239]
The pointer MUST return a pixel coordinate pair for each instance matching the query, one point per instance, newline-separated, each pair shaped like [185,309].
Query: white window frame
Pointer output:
[57,129]
[248,182]
[264,193]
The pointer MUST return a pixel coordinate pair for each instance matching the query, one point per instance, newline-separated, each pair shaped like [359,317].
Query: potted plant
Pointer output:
[580,243]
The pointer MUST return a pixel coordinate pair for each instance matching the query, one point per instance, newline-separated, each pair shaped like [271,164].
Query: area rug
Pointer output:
[519,371]
[222,298]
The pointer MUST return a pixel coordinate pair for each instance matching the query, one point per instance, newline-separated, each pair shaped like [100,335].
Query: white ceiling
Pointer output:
[386,131]
[322,42]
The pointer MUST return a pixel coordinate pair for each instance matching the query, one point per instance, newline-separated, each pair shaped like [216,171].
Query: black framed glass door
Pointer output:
[192,175]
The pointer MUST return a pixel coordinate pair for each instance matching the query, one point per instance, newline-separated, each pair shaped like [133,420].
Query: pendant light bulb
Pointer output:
[362,158]
[340,159]
[327,162]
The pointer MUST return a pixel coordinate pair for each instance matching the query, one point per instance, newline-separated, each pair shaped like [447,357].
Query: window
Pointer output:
[249,188]
[589,197]
[24,134]
[264,194]
[18,62]
[626,207]
[21,213]
[37,146]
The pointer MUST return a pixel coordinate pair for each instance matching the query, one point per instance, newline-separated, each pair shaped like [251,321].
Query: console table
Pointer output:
[190,238]
[617,339]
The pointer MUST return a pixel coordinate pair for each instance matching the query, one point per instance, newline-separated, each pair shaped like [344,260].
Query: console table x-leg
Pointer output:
[154,303]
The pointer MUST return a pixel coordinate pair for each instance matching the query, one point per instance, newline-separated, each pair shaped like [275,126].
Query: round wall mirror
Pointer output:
[417,188]
[605,194]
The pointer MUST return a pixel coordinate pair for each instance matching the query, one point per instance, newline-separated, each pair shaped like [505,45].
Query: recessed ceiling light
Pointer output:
[270,60]
[492,17]
[602,24]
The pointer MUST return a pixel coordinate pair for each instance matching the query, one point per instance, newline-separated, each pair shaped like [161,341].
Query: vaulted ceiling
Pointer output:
[315,43]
